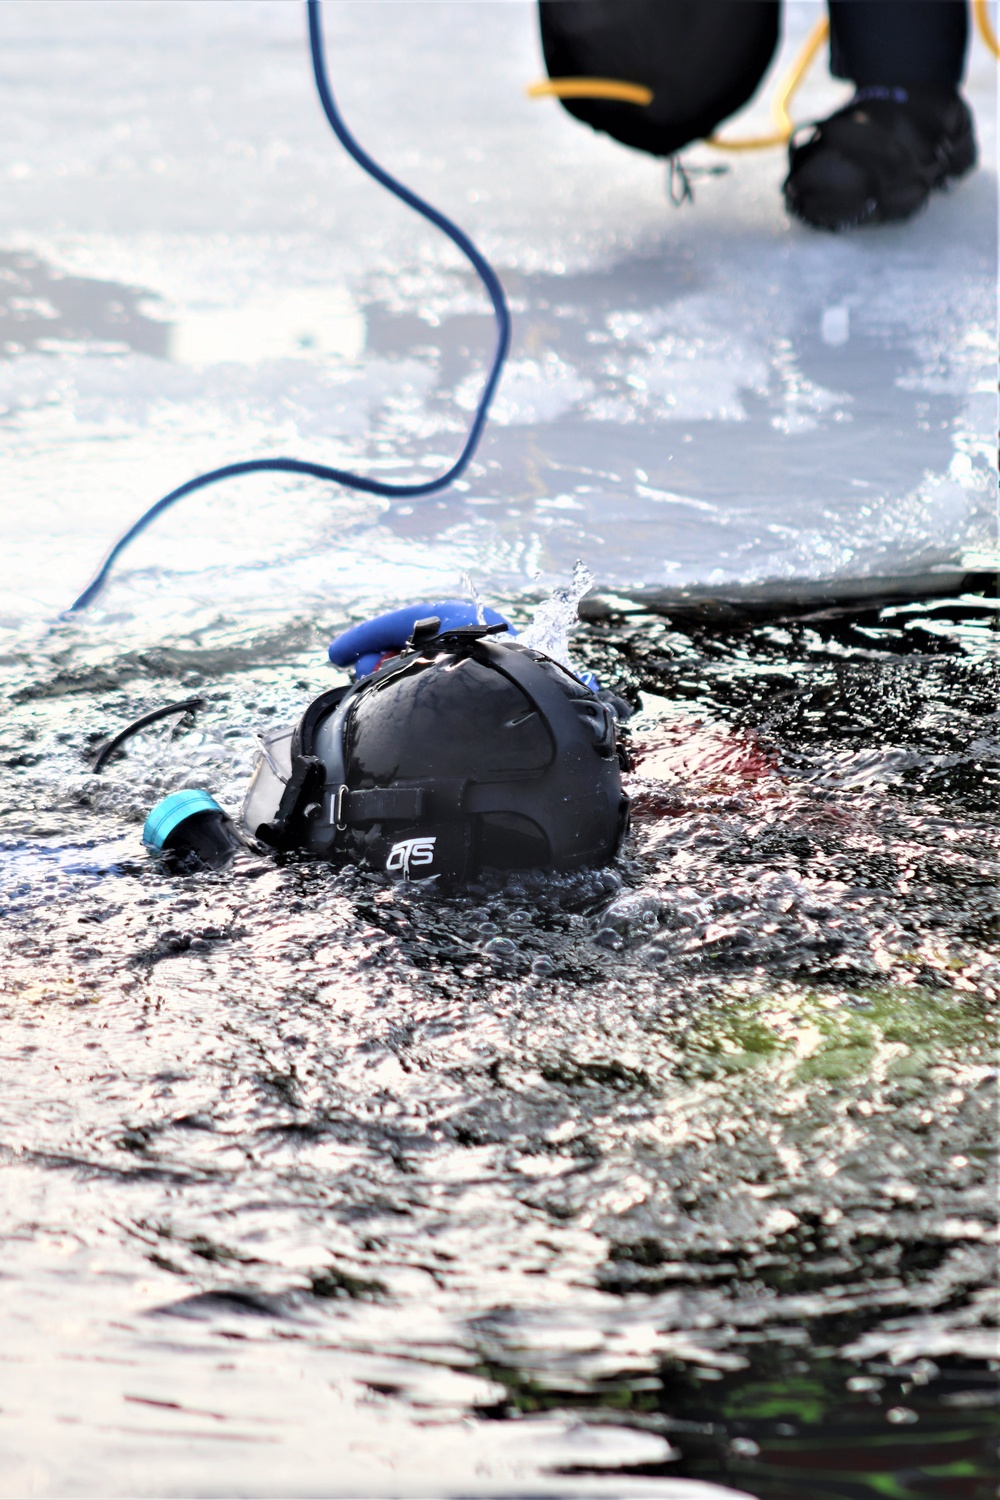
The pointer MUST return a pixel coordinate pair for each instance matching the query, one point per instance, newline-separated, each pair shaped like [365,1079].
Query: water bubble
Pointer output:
[634,916]
[500,948]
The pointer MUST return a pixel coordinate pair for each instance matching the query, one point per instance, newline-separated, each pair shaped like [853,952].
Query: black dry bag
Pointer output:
[702,59]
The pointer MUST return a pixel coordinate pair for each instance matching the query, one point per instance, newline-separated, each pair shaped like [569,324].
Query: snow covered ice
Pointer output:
[710,397]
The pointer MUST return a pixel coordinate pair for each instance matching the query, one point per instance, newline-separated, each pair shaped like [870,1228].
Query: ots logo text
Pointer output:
[410,854]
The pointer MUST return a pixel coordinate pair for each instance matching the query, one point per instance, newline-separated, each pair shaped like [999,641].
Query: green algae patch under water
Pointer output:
[680,1171]
[799,1423]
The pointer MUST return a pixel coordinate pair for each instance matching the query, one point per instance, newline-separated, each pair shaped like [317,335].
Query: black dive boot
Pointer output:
[879,157]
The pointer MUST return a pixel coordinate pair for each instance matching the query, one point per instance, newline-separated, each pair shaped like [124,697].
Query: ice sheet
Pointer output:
[706,397]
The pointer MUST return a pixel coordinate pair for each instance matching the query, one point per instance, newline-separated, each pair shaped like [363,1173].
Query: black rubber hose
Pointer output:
[106,752]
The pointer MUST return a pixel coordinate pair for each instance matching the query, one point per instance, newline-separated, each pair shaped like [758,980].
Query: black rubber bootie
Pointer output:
[879,157]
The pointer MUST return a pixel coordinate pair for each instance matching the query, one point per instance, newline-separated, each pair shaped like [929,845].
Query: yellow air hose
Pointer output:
[981,10]
[590,88]
[783,125]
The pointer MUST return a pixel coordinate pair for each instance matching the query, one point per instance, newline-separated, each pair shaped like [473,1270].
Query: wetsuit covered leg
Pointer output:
[899,41]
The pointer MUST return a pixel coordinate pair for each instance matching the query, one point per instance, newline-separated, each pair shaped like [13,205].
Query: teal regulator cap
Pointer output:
[172,811]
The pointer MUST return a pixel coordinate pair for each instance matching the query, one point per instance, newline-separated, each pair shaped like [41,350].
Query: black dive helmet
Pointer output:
[463,754]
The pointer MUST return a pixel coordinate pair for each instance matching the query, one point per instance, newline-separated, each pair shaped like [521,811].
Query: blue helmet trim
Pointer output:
[169,813]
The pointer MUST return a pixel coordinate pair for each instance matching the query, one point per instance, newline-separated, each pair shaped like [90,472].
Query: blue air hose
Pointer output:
[323,471]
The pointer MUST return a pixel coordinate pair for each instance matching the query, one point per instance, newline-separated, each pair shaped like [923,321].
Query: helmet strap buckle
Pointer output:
[424,631]
[339,821]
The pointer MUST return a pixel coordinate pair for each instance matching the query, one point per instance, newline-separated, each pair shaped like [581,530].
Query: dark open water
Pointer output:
[315,1185]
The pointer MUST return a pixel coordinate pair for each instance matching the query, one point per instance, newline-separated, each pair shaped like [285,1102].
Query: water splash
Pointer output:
[555,618]
[476,598]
